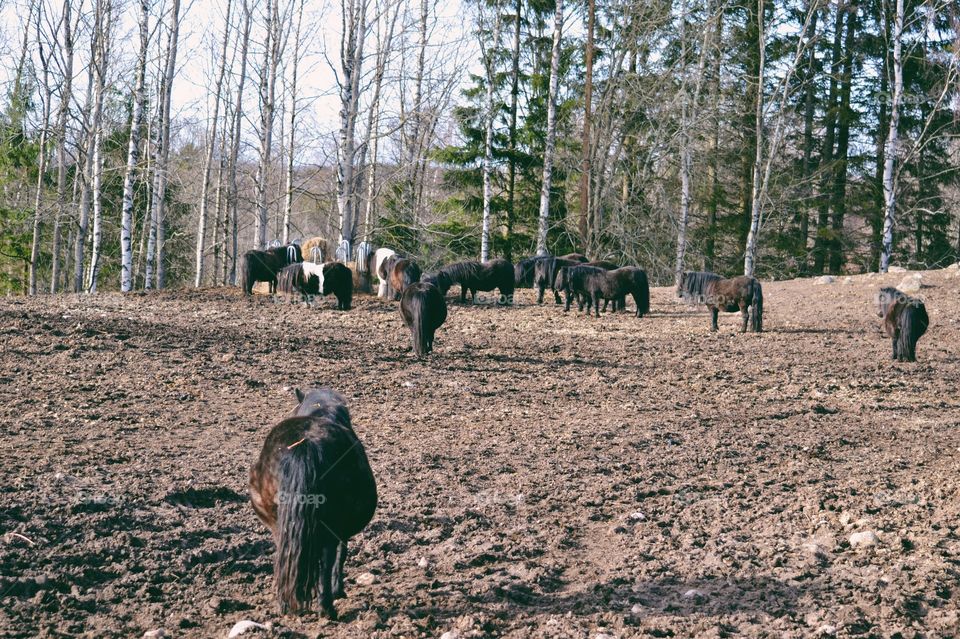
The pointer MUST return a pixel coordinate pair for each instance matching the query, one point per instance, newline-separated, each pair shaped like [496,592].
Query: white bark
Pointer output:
[353,20]
[211,145]
[551,132]
[233,187]
[291,146]
[890,152]
[489,117]
[750,254]
[102,61]
[268,88]
[161,166]
[66,95]
[133,153]
[42,160]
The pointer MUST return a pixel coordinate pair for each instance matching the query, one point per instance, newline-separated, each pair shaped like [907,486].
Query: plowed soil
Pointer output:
[543,474]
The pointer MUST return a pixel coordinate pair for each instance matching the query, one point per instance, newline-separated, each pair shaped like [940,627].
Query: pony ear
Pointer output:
[299,394]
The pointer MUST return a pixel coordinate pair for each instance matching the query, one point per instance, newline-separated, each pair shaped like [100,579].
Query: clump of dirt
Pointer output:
[542,474]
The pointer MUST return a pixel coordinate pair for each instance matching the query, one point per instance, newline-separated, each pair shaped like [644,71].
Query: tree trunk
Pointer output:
[890,152]
[808,113]
[133,150]
[585,235]
[514,99]
[750,253]
[66,95]
[844,118]
[713,170]
[351,60]
[489,117]
[233,187]
[211,145]
[546,185]
[288,202]
[42,158]
[268,80]
[102,62]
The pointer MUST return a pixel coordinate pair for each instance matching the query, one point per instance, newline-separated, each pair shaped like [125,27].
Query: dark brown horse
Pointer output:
[545,276]
[475,276]
[313,488]
[729,295]
[264,266]
[590,284]
[399,272]
[424,310]
[905,321]
[309,279]
[524,270]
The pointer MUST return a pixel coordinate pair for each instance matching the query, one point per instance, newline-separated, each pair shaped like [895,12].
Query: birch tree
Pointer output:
[890,148]
[133,151]
[353,22]
[268,89]
[489,118]
[236,129]
[211,146]
[66,96]
[155,257]
[292,126]
[105,40]
[47,89]
[548,150]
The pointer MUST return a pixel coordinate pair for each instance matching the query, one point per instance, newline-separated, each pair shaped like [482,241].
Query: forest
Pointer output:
[779,139]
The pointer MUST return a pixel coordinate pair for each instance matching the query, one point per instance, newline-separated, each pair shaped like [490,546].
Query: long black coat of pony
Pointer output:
[399,273]
[264,266]
[905,321]
[328,278]
[545,276]
[424,310]
[313,488]
[741,293]
[476,276]
[590,284]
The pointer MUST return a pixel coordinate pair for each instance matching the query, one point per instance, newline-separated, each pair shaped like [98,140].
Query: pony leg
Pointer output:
[714,314]
[744,316]
[540,290]
[596,304]
[556,297]
[328,565]
[338,592]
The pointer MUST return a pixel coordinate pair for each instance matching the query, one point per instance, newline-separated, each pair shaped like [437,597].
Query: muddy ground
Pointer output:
[541,475]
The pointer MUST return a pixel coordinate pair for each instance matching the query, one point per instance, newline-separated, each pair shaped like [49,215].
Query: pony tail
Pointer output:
[644,294]
[420,336]
[296,566]
[756,316]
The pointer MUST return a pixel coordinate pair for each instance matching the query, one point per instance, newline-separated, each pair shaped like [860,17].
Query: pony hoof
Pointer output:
[339,594]
[329,613]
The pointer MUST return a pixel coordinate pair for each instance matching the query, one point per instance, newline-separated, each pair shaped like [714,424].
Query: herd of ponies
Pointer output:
[312,485]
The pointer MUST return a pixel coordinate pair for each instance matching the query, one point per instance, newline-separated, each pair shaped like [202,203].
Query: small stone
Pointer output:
[695,595]
[848,280]
[74,590]
[603,635]
[826,630]
[845,519]
[365,578]
[409,384]
[245,626]
[636,610]
[423,562]
[825,279]
[451,634]
[866,538]
[638,516]
[155,634]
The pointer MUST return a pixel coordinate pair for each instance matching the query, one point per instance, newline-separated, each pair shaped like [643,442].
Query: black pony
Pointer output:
[264,266]
[729,295]
[308,278]
[905,321]
[545,276]
[590,284]
[475,276]
[524,270]
[424,310]
[313,488]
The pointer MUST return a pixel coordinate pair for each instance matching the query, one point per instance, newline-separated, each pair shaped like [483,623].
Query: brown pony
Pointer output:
[313,488]
[424,310]
[399,273]
[905,321]
[264,266]
[545,276]
[590,284]
[476,276]
[740,293]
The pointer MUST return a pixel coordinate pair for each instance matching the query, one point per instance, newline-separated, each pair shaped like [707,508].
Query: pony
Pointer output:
[729,295]
[310,279]
[374,261]
[545,275]
[618,304]
[575,257]
[523,271]
[264,266]
[475,276]
[593,283]
[905,321]
[316,249]
[399,273]
[424,310]
[313,488]
[439,279]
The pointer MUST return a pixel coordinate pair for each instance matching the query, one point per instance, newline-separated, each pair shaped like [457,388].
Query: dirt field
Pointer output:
[542,475]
